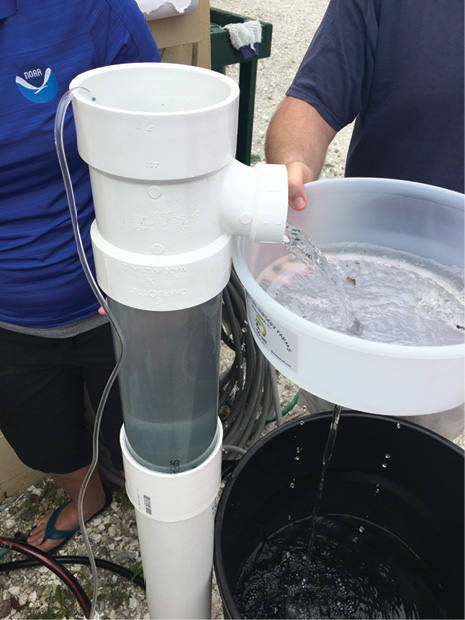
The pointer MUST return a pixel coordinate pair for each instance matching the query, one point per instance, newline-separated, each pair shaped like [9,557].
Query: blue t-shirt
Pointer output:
[397,67]
[43,46]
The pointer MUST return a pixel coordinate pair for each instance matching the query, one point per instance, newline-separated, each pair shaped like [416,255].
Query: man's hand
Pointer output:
[298,174]
[298,136]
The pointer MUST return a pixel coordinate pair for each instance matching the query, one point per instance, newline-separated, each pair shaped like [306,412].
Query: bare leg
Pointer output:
[94,500]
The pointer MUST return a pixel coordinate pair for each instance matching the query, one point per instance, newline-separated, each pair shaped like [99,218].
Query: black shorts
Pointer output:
[42,407]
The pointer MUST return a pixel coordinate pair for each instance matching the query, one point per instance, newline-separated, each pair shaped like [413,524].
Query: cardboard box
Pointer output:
[14,475]
[178,30]
[185,39]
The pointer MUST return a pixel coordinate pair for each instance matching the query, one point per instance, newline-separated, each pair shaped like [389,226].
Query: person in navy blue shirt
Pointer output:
[397,68]
[54,344]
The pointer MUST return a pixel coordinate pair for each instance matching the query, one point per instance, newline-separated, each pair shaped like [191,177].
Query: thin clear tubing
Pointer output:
[169,383]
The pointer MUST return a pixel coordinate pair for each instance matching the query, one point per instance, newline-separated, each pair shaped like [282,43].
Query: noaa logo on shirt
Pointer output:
[37,83]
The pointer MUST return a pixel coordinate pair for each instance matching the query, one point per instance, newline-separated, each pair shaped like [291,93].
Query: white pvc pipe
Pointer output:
[160,142]
[175,522]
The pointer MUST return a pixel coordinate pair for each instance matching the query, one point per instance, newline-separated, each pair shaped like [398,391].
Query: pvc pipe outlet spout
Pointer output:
[160,141]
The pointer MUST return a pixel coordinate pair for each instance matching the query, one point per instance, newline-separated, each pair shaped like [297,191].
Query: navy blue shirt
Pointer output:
[397,67]
[43,46]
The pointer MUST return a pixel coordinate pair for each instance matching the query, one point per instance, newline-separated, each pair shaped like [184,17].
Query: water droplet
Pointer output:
[398,425]
[361,529]
[304,407]
[387,456]
[297,458]
[292,485]
[376,490]
[384,465]
[244,330]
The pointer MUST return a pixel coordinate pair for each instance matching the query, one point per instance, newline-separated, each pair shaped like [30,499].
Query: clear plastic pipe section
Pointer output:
[169,197]
[169,383]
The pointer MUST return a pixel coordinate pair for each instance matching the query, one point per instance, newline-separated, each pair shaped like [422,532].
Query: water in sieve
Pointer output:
[396,297]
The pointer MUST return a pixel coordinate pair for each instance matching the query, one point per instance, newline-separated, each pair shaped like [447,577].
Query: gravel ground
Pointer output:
[37,593]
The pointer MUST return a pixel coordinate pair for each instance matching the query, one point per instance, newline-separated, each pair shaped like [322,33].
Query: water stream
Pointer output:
[330,442]
[297,242]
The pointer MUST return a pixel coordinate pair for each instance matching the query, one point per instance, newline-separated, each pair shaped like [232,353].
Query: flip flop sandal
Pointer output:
[52,533]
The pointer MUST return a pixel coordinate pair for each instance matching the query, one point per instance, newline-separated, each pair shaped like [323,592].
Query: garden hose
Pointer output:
[82,560]
[51,563]
[249,396]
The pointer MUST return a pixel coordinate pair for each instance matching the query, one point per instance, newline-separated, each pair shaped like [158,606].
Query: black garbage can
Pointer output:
[396,478]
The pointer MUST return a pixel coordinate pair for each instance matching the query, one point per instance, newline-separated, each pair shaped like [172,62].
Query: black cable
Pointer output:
[246,386]
[242,430]
[267,404]
[236,383]
[60,571]
[77,559]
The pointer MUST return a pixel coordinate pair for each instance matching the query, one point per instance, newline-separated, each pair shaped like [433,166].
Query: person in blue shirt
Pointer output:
[397,69]
[54,344]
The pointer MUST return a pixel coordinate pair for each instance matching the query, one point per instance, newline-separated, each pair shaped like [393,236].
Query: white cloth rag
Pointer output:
[244,34]
[153,9]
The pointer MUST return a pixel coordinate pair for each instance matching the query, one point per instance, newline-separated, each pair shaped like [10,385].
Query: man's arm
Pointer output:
[298,137]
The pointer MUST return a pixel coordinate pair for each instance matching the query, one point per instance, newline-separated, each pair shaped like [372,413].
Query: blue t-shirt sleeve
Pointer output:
[120,33]
[336,73]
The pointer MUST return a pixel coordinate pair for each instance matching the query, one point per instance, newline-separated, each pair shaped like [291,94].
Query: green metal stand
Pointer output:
[222,54]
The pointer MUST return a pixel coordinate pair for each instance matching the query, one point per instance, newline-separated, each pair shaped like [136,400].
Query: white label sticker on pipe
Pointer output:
[276,339]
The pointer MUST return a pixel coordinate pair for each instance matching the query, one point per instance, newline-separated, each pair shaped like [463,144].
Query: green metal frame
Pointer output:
[222,54]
